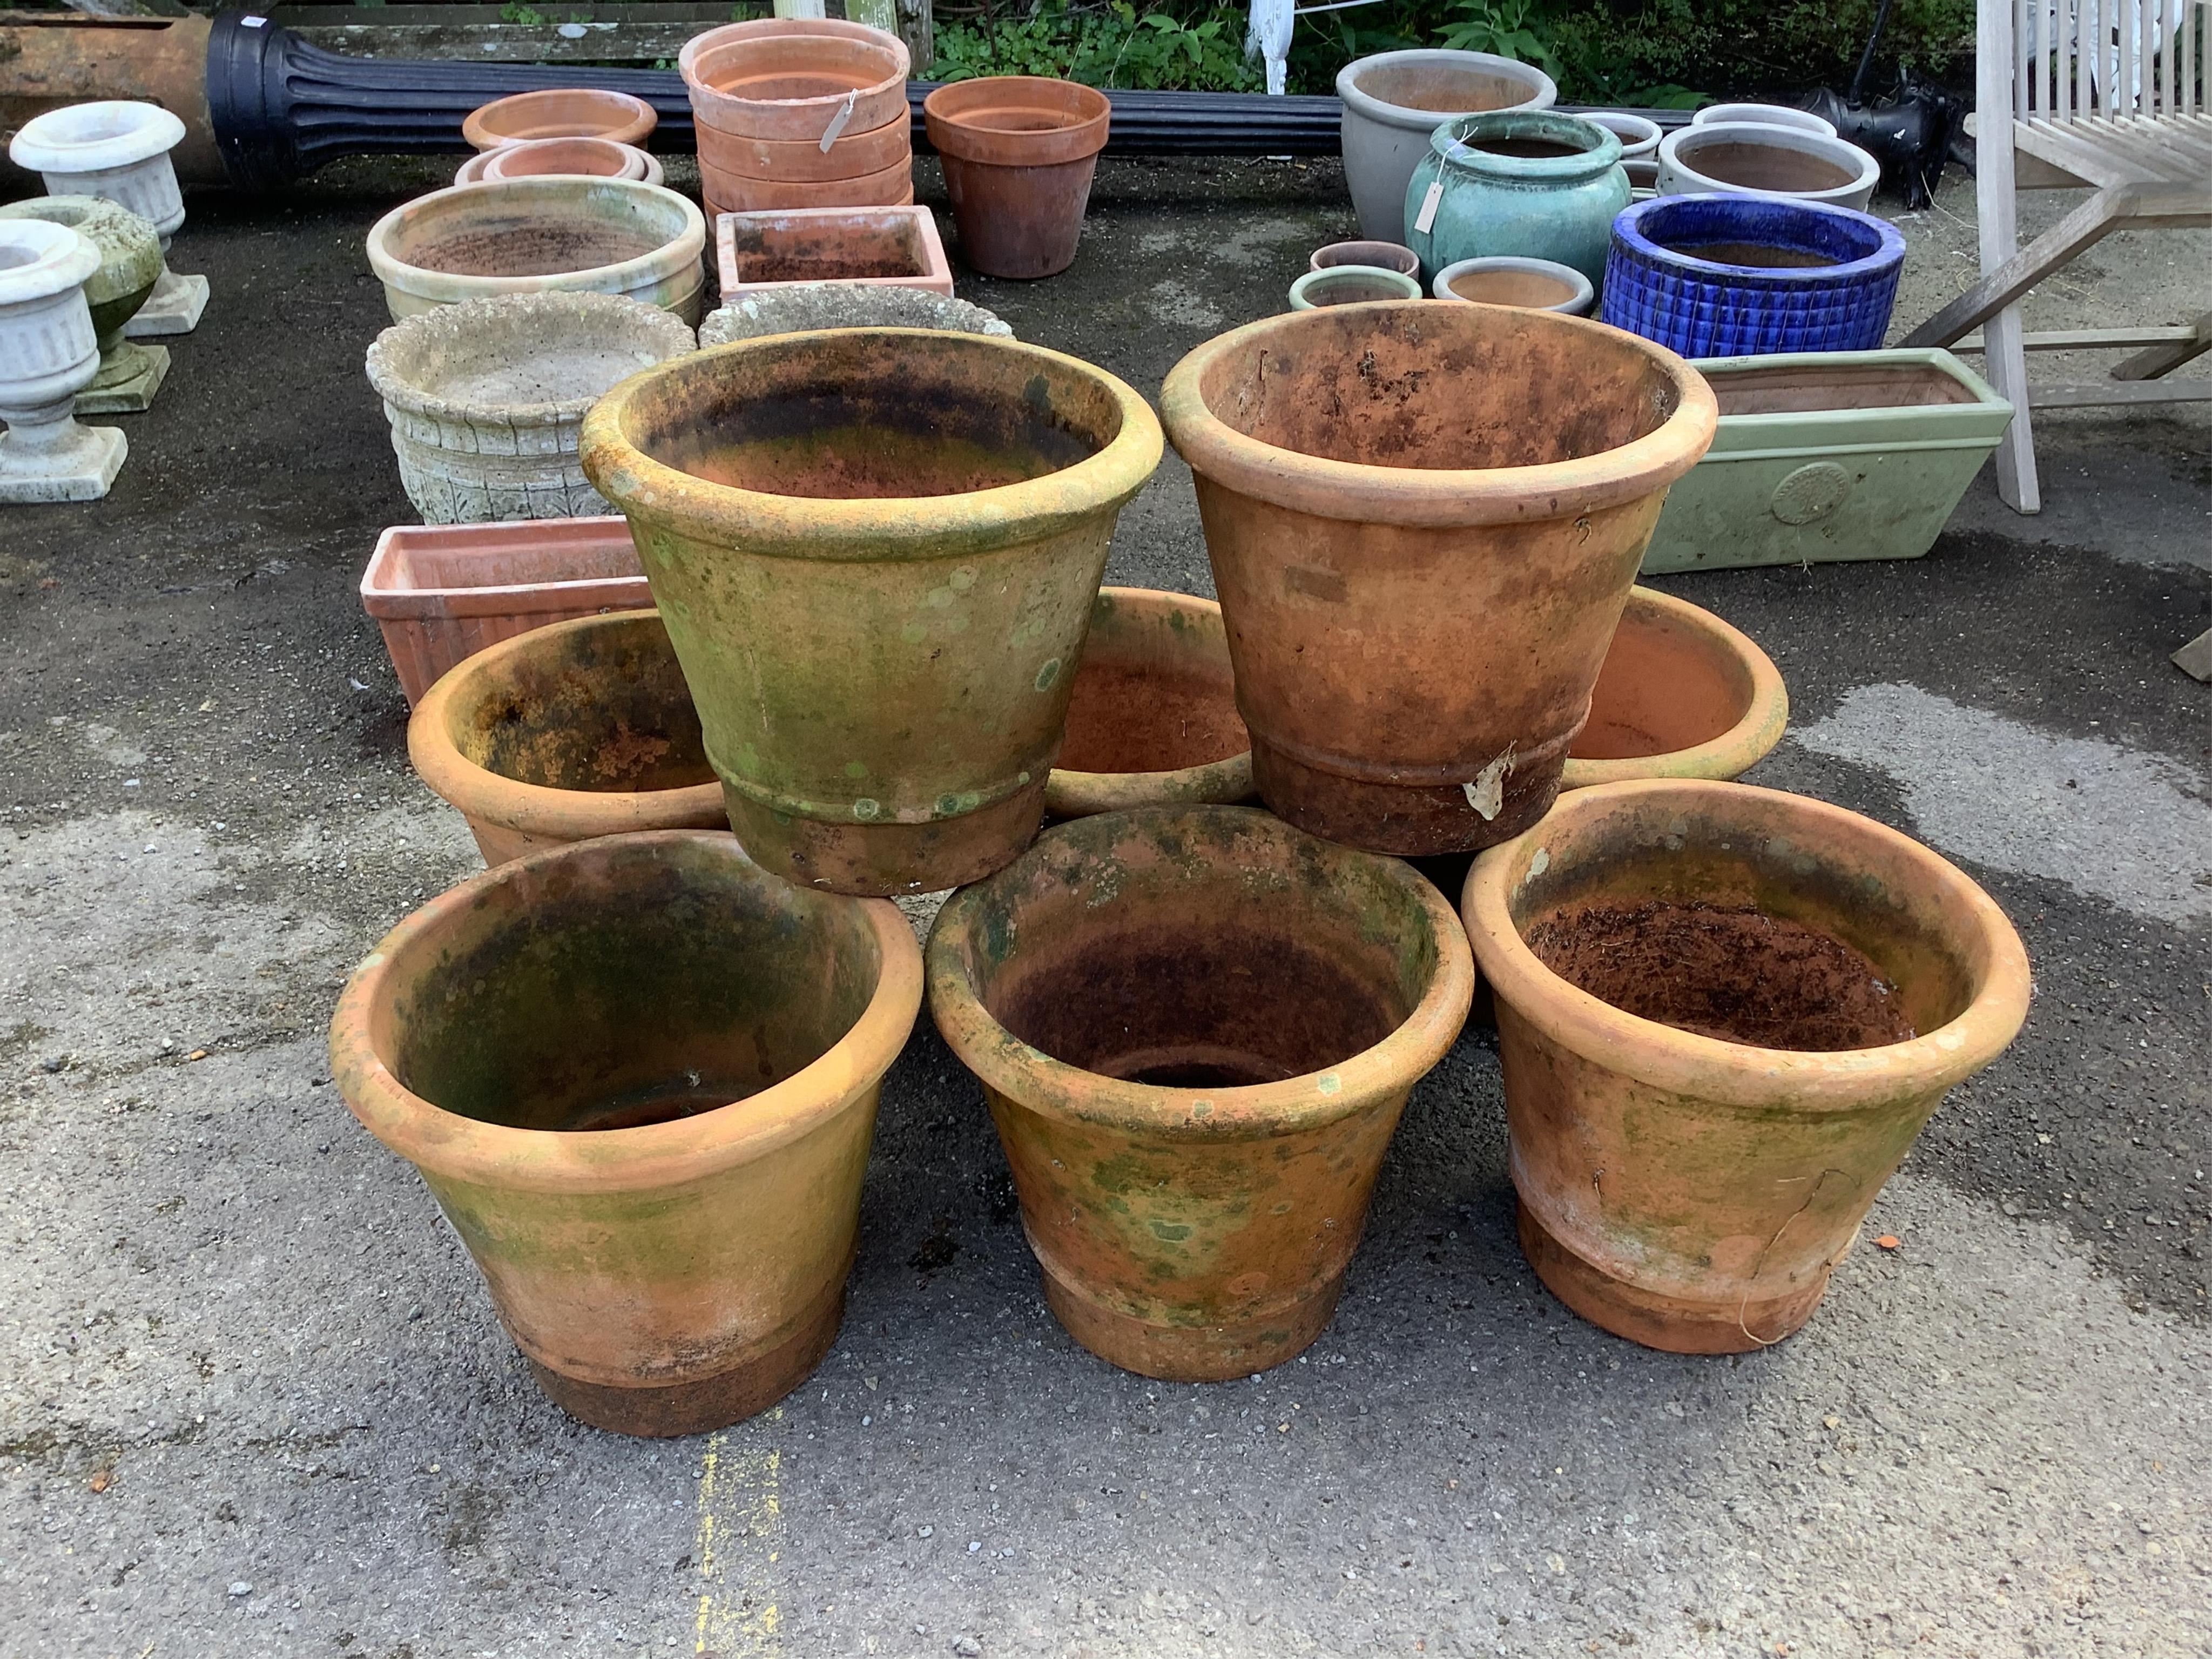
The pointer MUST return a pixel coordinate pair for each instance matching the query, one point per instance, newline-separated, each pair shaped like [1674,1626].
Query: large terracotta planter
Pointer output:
[551,1045]
[1196,1029]
[581,729]
[876,551]
[1682,695]
[1423,520]
[1153,718]
[1395,100]
[1019,151]
[1693,1193]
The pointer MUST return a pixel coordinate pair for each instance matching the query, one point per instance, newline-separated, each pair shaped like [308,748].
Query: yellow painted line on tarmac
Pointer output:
[740,1536]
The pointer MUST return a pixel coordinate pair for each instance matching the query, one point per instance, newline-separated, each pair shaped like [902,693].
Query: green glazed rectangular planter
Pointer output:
[1829,455]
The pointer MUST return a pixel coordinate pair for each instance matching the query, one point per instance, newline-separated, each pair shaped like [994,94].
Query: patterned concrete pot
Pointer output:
[487,397]
[578,730]
[640,1076]
[1196,1028]
[130,267]
[48,353]
[1395,100]
[1723,1015]
[118,151]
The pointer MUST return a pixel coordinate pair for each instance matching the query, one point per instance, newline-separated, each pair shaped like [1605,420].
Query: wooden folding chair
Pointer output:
[2106,95]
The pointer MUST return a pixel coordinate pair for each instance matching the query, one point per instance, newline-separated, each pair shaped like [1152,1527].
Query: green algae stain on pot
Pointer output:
[1047,675]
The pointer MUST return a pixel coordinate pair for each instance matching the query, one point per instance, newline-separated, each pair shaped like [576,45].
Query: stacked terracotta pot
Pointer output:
[800,112]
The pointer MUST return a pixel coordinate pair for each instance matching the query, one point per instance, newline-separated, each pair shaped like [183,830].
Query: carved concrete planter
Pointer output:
[118,151]
[48,353]
[487,398]
[802,307]
[130,265]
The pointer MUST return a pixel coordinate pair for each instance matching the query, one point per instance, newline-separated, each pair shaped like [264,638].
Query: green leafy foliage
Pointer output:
[1115,47]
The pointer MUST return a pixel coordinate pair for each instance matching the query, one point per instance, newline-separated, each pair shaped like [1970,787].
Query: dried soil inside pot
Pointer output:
[1762,167]
[1441,87]
[1512,287]
[1757,256]
[1735,975]
[549,248]
[801,249]
[1131,717]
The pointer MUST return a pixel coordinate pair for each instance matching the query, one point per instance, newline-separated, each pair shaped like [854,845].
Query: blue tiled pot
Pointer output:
[1557,207]
[1664,281]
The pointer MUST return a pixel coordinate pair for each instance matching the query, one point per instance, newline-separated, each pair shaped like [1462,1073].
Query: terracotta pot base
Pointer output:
[1408,820]
[708,1402]
[1667,1323]
[887,857]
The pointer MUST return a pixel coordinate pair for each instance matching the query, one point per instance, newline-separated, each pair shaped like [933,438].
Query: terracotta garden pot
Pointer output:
[639,1077]
[538,235]
[1196,1028]
[800,112]
[561,113]
[1019,152]
[586,158]
[876,551]
[1423,520]
[803,160]
[1682,695]
[1152,722]
[1755,1001]
[581,729]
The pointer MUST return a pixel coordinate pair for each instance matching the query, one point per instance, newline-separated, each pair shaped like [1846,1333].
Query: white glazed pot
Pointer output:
[1765,115]
[1751,160]
[48,353]
[118,150]
[1528,285]
[1395,100]
[587,158]
[1639,135]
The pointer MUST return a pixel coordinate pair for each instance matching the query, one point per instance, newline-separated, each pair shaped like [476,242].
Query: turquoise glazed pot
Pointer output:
[1525,182]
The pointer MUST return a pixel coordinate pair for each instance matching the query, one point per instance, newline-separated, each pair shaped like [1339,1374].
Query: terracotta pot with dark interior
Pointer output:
[1019,152]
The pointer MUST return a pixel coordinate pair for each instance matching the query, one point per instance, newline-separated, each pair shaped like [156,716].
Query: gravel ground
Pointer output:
[255,1401]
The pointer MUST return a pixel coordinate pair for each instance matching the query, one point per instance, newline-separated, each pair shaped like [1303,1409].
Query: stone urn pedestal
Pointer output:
[130,265]
[48,353]
[118,151]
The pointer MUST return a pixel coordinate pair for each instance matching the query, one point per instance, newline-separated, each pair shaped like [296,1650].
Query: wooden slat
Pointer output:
[2091,339]
[2100,394]
[2165,357]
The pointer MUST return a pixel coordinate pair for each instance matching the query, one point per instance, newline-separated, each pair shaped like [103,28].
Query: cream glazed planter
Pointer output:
[118,150]
[48,353]
[487,398]
[129,265]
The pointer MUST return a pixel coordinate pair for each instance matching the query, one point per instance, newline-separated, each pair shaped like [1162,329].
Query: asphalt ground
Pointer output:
[253,1400]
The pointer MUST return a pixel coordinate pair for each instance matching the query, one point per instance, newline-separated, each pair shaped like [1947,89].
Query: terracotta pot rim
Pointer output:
[688,243]
[956,117]
[1435,497]
[643,118]
[537,809]
[708,101]
[1038,1083]
[871,529]
[1739,1074]
[600,1161]
[1719,758]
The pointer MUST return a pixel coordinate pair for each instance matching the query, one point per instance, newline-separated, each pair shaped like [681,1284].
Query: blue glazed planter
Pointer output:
[1525,182]
[1751,275]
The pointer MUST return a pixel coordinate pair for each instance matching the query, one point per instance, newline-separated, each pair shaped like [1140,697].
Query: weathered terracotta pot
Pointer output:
[874,245]
[1019,151]
[1423,520]
[1692,1193]
[1196,1028]
[581,729]
[876,551]
[1152,722]
[1682,695]
[552,1045]
[561,113]
[796,79]
[587,158]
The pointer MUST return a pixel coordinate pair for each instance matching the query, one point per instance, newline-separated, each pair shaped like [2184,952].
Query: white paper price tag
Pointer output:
[1427,216]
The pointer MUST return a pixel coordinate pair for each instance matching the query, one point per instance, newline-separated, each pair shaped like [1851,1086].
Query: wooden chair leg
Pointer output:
[2005,365]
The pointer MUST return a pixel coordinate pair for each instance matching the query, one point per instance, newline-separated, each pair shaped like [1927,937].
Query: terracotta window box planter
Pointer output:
[441,594]
[883,246]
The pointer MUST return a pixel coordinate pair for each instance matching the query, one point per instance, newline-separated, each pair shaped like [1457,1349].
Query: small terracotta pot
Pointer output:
[583,729]
[794,79]
[1695,1193]
[1196,1028]
[1019,152]
[1682,695]
[588,158]
[1351,285]
[561,113]
[1152,720]
[552,1044]
[1423,520]
[1389,256]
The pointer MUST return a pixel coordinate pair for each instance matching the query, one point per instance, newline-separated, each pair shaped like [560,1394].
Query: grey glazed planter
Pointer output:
[1746,158]
[487,397]
[1395,100]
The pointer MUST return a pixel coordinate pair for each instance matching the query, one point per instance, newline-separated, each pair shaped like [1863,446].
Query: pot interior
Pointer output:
[1390,256]
[524,360]
[1208,949]
[789,248]
[1727,924]
[871,414]
[628,982]
[784,68]
[1810,388]
[1762,167]
[1665,687]
[1439,387]
[600,157]
[1444,88]
[1154,692]
[1742,230]
[1346,287]
[603,709]
[482,232]
[1529,288]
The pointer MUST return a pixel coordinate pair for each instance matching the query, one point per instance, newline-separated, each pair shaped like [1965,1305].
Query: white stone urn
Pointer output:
[118,150]
[48,353]
[129,265]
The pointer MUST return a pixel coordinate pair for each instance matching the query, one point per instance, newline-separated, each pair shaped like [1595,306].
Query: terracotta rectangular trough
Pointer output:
[1831,455]
[443,593]
[884,245]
